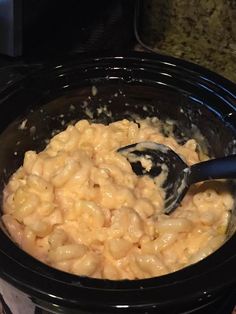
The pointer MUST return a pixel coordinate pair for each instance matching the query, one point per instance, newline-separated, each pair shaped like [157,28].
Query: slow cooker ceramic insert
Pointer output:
[136,84]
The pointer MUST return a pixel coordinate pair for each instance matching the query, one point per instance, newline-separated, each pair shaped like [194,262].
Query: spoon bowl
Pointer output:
[153,159]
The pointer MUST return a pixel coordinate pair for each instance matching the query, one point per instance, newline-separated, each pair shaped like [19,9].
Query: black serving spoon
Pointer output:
[151,159]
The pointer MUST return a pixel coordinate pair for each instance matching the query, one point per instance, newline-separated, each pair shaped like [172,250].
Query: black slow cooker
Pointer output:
[137,84]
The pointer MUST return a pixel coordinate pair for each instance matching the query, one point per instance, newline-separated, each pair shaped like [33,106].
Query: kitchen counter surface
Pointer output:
[201,31]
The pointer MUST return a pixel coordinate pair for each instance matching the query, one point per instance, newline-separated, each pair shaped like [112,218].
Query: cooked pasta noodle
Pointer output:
[79,207]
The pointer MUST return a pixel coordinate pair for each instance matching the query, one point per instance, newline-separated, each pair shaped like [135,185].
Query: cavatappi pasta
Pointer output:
[78,206]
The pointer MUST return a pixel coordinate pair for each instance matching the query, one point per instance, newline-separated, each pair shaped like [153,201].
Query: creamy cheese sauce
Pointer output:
[78,206]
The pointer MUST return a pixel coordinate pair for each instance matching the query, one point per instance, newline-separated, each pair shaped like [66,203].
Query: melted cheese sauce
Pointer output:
[78,206]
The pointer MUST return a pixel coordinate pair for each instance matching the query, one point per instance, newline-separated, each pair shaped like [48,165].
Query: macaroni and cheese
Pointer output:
[78,206]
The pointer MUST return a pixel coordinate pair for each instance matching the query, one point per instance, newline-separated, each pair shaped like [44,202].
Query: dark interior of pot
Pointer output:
[42,115]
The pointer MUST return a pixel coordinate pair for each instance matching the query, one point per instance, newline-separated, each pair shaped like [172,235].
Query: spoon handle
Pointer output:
[220,168]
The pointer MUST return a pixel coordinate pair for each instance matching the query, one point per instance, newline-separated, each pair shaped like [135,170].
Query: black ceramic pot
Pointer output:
[134,85]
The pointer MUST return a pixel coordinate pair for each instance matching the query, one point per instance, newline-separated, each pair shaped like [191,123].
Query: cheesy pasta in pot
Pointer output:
[78,206]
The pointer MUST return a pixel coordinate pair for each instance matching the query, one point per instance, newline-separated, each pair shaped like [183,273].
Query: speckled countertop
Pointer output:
[201,31]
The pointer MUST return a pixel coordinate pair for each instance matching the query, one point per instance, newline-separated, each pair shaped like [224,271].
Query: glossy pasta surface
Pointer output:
[78,206]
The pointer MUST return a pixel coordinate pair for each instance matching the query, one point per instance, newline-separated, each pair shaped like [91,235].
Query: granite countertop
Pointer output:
[201,31]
